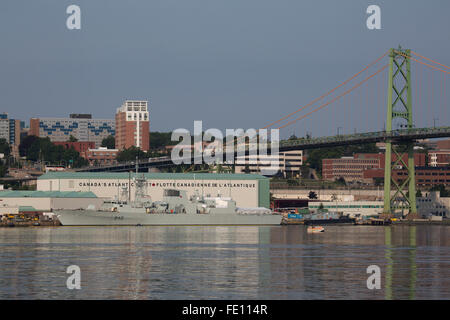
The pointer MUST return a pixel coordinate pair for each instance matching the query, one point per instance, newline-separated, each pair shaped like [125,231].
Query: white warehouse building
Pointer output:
[12,200]
[248,190]
[429,205]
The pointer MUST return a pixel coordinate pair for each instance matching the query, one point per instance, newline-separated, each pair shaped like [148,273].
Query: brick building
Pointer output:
[132,125]
[101,156]
[439,158]
[363,166]
[426,176]
[80,146]
[443,144]
[350,168]
[439,155]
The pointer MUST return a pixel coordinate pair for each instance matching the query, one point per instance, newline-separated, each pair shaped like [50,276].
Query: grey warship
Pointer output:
[175,208]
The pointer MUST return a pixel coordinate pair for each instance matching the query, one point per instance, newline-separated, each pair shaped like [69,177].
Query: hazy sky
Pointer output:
[230,63]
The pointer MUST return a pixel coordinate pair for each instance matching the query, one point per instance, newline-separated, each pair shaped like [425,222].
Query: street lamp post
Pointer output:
[434,122]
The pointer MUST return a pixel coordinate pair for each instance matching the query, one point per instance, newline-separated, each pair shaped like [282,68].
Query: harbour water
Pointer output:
[205,262]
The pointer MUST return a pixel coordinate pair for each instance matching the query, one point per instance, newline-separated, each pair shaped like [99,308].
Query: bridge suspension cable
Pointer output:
[334,99]
[371,94]
[326,94]
[424,63]
[416,54]
[440,101]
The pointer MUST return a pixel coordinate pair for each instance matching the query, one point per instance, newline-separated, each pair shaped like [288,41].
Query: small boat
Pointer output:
[315,229]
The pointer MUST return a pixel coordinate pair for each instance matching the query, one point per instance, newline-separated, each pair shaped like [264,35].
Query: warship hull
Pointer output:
[105,218]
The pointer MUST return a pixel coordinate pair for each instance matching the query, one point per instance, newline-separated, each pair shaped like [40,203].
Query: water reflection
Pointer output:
[389,262]
[282,262]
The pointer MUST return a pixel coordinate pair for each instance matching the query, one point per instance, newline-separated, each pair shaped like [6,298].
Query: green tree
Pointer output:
[72,139]
[35,149]
[29,147]
[72,157]
[109,142]
[130,154]
[378,181]
[3,168]
[4,147]
[312,195]
[159,140]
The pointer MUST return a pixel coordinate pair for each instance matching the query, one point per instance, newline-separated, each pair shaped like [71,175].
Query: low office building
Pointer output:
[289,164]
[431,204]
[439,158]
[351,208]
[247,190]
[101,156]
[363,167]
[426,177]
[349,168]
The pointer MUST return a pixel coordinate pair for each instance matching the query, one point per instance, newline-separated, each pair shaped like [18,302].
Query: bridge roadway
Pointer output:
[396,136]
[362,138]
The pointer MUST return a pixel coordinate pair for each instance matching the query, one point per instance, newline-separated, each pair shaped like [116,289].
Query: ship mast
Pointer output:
[139,187]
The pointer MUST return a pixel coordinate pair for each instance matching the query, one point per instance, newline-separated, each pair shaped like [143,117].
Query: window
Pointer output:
[171,193]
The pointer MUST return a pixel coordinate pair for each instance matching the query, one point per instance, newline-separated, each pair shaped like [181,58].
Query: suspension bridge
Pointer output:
[362,101]
[356,108]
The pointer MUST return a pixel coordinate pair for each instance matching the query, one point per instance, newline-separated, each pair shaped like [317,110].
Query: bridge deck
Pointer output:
[303,144]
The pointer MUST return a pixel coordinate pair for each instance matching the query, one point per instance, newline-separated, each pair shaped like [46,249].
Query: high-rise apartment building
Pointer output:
[10,129]
[132,125]
[4,127]
[15,127]
[82,128]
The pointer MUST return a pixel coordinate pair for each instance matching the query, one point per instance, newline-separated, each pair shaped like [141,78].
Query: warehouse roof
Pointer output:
[27,209]
[156,176]
[46,194]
